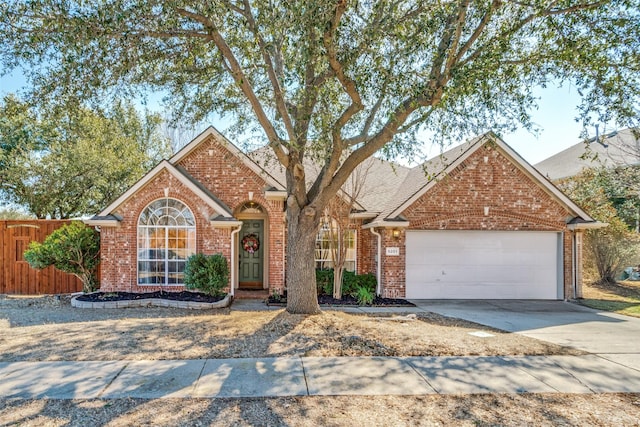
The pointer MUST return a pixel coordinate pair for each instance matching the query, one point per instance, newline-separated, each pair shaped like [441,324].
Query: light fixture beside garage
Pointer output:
[395,233]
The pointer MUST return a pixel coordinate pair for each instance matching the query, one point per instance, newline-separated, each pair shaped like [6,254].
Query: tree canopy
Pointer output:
[67,163]
[614,247]
[333,80]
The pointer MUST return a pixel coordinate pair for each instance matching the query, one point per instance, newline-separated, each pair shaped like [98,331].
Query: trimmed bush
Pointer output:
[351,283]
[73,248]
[324,281]
[207,273]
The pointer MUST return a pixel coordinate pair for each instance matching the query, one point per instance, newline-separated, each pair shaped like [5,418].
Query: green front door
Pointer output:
[251,254]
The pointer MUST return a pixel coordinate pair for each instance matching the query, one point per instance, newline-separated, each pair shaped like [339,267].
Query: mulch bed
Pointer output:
[128,296]
[324,300]
[347,300]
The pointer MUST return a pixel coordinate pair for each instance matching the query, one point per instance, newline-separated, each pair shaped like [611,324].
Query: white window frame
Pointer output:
[165,216]
[324,251]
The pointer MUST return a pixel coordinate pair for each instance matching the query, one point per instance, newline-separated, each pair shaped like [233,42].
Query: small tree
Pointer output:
[611,249]
[339,222]
[73,248]
[207,273]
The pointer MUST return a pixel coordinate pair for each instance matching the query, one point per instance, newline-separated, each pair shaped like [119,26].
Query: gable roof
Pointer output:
[251,164]
[386,191]
[621,148]
[106,216]
[422,178]
[380,178]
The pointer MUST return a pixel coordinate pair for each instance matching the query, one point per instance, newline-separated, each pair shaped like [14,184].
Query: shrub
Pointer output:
[207,273]
[351,283]
[73,248]
[364,295]
[324,281]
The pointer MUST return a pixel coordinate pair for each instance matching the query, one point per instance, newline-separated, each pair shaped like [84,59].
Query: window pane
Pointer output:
[166,238]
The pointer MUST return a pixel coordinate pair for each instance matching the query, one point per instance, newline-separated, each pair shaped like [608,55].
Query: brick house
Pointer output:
[475,222]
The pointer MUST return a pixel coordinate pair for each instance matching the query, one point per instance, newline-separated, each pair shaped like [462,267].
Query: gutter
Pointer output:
[378,262]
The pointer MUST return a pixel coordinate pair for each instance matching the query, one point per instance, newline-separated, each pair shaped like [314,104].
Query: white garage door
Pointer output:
[482,265]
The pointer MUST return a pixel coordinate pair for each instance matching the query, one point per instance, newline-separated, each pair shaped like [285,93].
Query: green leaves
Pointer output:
[73,248]
[68,162]
[207,273]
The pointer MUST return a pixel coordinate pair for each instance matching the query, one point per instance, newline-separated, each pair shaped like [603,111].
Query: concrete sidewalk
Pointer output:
[310,376]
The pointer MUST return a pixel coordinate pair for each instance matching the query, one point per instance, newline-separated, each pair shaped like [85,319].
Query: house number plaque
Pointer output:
[393,251]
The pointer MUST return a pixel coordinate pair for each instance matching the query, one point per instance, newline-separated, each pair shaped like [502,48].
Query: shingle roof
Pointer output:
[381,178]
[620,148]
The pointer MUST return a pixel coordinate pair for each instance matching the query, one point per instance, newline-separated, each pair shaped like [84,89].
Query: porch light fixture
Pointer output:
[395,233]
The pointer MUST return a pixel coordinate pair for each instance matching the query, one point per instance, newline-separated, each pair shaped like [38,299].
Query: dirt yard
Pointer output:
[352,411]
[48,329]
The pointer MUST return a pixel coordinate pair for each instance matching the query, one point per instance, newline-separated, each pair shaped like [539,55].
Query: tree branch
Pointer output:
[281,104]
[350,89]
[242,81]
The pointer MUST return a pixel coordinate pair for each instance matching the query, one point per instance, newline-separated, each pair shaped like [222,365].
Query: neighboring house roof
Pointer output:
[422,178]
[615,149]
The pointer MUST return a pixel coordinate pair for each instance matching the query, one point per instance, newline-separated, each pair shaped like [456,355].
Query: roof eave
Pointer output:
[591,225]
[101,222]
[363,215]
[275,195]
[387,224]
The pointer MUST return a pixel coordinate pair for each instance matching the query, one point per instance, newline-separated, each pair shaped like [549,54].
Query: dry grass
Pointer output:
[622,297]
[432,410]
[47,329]
[55,331]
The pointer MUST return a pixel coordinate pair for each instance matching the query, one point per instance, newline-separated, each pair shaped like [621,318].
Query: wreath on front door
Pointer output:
[250,243]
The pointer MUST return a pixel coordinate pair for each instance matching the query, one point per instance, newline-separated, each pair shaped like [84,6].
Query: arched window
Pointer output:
[166,238]
[328,242]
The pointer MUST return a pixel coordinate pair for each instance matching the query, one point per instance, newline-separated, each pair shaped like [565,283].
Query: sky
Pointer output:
[555,118]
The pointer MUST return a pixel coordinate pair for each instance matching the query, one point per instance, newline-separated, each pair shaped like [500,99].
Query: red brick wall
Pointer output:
[231,180]
[393,266]
[224,175]
[366,250]
[119,244]
[457,202]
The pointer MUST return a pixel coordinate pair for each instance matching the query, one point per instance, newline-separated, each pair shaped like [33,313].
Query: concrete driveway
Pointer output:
[611,336]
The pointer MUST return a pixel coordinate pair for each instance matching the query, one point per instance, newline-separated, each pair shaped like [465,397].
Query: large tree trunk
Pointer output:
[302,227]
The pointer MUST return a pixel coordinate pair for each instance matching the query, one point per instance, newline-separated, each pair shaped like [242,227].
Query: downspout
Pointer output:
[234,263]
[378,262]
[575,264]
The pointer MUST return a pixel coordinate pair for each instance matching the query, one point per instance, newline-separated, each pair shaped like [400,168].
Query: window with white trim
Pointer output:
[326,240]
[166,238]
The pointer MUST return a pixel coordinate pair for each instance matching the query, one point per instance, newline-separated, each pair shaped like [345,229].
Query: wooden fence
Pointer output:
[16,276]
